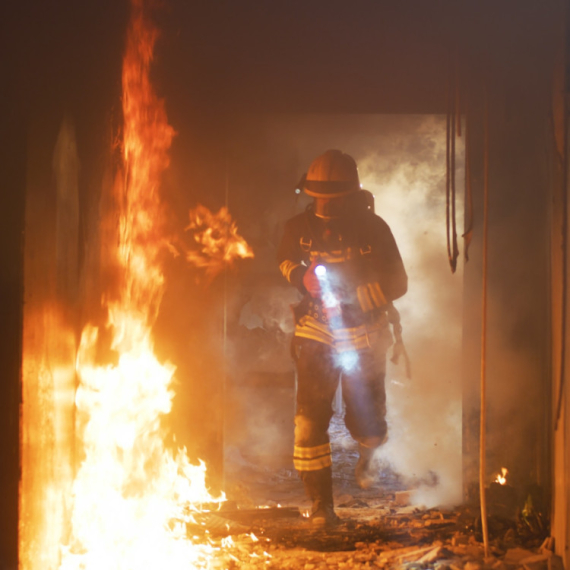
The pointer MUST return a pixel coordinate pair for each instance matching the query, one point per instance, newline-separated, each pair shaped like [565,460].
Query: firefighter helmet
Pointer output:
[331,175]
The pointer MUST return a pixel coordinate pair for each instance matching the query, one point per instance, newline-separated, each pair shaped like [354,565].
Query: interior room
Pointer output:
[153,156]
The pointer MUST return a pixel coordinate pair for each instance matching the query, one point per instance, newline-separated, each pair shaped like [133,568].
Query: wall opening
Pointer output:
[401,160]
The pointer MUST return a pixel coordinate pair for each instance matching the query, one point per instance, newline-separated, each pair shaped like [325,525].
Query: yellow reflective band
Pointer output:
[312,464]
[353,332]
[314,335]
[332,257]
[353,338]
[380,294]
[374,295]
[309,327]
[364,298]
[311,452]
[359,343]
[286,267]
[338,256]
[357,338]
[310,322]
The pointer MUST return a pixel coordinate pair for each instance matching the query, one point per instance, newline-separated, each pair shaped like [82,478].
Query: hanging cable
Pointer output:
[457,94]
[450,194]
[456,132]
[454,250]
[483,418]
[468,206]
[447,174]
[468,232]
[564,253]
[447,178]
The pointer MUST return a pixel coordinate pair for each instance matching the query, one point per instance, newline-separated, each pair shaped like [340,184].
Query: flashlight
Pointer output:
[320,271]
[348,360]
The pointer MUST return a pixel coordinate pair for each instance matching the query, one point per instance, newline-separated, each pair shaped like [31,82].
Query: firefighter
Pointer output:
[345,261]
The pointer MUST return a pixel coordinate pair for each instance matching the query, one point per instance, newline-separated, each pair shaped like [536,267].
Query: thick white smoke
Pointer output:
[407,175]
[402,161]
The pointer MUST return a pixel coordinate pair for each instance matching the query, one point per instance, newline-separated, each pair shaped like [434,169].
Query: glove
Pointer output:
[311,281]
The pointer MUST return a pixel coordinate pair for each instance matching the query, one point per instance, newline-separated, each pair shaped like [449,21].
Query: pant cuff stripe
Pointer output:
[312,464]
[311,452]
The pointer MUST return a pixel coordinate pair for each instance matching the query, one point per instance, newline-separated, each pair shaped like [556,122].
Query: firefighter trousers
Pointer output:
[319,370]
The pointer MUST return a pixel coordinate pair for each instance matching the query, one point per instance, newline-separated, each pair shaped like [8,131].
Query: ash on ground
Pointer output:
[265,512]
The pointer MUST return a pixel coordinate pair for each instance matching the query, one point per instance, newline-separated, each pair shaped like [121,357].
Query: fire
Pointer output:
[217,240]
[132,497]
[502,476]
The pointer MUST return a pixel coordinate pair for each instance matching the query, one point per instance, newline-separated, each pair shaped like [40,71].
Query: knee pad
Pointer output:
[372,442]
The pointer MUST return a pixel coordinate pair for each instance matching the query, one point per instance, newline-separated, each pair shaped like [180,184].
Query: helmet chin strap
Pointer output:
[329,209]
[323,217]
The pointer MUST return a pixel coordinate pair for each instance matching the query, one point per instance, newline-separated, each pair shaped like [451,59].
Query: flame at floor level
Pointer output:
[132,497]
[502,476]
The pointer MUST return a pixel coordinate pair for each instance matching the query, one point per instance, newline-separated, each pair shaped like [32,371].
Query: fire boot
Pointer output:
[362,473]
[318,485]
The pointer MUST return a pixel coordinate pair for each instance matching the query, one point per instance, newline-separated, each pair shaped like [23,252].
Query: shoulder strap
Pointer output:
[307,241]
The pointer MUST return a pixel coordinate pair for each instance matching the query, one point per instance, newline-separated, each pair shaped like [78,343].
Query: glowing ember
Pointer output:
[218,243]
[132,497]
[502,476]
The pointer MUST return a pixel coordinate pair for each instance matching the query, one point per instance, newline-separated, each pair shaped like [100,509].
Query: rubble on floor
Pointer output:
[375,536]
[379,529]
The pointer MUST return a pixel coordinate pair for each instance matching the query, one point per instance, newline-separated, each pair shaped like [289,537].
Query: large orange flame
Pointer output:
[146,139]
[132,497]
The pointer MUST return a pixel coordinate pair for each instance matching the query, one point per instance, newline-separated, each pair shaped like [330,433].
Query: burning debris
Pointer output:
[502,476]
[216,242]
[379,534]
[377,530]
[379,527]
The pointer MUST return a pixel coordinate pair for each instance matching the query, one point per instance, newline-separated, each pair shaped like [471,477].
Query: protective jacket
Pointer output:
[364,272]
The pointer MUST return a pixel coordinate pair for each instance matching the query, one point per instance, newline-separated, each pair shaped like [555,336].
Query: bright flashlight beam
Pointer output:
[329,298]
[347,359]
[320,271]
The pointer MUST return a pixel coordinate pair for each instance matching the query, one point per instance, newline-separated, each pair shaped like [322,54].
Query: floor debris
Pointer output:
[379,528]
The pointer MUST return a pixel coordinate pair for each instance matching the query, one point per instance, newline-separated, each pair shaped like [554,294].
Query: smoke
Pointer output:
[402,161]
[406,173]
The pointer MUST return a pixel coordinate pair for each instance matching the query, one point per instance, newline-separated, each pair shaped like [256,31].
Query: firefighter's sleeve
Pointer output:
[289,259]
[394,280]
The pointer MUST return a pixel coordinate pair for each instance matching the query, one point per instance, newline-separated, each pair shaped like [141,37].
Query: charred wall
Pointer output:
[12,166]
[512,75]
[298,60]
[222,58]
[559,303]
